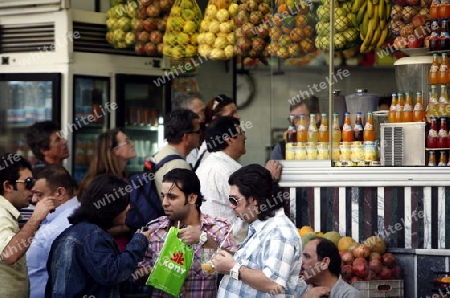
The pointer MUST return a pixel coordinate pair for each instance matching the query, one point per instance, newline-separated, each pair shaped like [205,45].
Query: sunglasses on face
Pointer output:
[234,201]
[28,183]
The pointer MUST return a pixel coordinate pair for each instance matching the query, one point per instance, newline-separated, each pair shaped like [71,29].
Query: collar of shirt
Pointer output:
[68,204]
[222,155]
[9,207]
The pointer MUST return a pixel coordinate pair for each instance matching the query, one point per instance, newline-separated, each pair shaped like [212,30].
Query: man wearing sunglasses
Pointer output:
[268,262]
[182,131]
[15,193]
[53,181]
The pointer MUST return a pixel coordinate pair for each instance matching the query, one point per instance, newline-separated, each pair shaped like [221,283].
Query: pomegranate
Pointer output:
[375,255]
[361,251]
[359,260]
[388,260]
[361,269]
[370,276]
[375,265]
[347,258]
[347,271]
[395,272]
[385,273]
[354,278]
[150,48]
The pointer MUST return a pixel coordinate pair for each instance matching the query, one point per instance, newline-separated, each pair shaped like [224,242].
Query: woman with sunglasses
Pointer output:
[112,150]
[220,105]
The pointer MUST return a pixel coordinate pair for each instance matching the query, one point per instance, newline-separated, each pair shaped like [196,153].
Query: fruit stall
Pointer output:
[404,207]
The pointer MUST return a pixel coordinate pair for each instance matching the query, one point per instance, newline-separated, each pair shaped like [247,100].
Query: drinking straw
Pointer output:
[178,225]
[226,237]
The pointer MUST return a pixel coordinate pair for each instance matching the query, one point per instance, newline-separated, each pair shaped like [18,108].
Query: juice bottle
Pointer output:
[432,134]
[432,159]
[313,134]
[291,139]
[444,97]
[399,107]
[443,68]
[433,97]
[392,109]
[324,135]
[336,129]
[369,132]
[434,69]
[347,131]
[419,112]
[358,128]
[407,115]
[301,129]
[434,9]
[442,160]
[442,134]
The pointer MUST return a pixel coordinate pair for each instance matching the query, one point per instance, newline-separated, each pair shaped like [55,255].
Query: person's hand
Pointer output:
[223,262]
[274,168]
[146,232]
[43,208]
[316,292]
[189,235]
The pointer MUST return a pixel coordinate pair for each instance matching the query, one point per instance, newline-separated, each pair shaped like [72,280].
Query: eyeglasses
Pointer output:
[234,201]
[217,100]
[28,183]
[127,141]
[193,131]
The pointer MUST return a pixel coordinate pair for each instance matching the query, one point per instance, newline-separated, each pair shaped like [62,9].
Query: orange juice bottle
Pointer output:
[301,129]
[336,129]
[433,96]
[399,107]
[324,135]
[419,112]
[369,132]
[443,68]
[407,115]
[392,109]
[434,69]
[347,131]
[313,134]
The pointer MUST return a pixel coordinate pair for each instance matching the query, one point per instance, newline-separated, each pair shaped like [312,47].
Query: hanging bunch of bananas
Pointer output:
[371,17]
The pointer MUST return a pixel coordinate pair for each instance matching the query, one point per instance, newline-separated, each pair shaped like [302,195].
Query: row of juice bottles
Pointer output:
[438,138]
[439,9]
[442,159]
[311,134]
[402,110]
[439,71]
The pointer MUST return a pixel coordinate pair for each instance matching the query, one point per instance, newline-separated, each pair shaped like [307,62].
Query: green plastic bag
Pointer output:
[172,266]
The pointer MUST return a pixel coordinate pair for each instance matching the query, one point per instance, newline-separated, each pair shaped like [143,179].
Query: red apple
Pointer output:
[150,24]
[388,260]
[361,251]
[414,42]
[150,48]
[139,48]
[385,273]
[156,37]
[347,271]
[347,258]
[361,269]
[375,265]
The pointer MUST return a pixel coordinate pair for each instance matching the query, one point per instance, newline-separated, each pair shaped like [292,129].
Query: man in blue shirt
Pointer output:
[268,262]
[53,181]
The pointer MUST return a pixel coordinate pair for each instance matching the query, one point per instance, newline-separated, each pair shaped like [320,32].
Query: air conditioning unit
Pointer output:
[402,144]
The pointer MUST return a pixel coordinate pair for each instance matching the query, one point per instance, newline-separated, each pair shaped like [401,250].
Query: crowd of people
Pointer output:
[77,242]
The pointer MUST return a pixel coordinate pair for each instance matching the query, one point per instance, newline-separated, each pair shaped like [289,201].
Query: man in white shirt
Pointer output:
[53,181]
[226,140]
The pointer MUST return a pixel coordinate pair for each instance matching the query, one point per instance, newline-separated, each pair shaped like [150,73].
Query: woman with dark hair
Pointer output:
[84,260]
[220,105]
[112,151]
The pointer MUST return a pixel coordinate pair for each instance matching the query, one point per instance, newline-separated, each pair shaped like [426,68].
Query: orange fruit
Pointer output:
[305,230]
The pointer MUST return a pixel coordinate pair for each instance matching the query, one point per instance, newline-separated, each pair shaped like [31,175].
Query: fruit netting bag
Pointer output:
[216,39]
[119,20]
[292,33]
[150,25]
[345,34]
[172,266]
[183,25]
[253,21]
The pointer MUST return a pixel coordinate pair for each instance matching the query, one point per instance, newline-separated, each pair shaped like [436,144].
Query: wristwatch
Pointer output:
[234,272]
[203,238]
